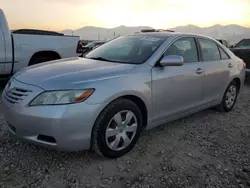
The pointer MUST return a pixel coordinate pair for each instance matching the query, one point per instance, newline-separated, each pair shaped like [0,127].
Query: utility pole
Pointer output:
[98,35]
[114,34]
[72,32]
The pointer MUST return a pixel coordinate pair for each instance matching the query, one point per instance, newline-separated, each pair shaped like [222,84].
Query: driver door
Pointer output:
[179,89]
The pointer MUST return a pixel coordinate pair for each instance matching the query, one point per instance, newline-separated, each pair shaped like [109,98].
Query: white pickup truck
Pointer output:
[22,48]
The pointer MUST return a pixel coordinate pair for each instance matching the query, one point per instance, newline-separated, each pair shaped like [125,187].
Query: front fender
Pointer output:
[133,84]
[110,89]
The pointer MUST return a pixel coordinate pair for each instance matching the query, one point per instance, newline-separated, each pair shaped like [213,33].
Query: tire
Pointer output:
[101,143]
[223,107]
[41,60]
[3,84]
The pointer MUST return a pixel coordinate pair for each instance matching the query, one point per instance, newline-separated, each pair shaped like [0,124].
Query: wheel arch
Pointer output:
[142,106]
[44,53]
[238,81]
[135,99]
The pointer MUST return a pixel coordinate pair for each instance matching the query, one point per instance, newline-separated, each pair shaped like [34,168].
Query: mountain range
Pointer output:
[232,33]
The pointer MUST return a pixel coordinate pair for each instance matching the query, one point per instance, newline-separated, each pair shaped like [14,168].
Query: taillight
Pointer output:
[79,48]
[244,64]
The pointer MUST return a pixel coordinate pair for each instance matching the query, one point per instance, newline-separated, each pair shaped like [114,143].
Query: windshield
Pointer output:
[128,49]
[243,44]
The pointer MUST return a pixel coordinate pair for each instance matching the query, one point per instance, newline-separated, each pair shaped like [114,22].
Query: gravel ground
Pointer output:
[207,149]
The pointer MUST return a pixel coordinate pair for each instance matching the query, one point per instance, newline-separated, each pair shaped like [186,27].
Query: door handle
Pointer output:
[230,65]
[199,71]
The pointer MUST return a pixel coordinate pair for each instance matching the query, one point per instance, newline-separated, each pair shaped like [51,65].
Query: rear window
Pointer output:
[223,54]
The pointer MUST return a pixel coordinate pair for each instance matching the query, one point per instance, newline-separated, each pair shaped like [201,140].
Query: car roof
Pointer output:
[169,34]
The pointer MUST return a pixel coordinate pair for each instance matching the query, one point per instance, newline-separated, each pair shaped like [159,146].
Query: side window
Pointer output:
[209,49]
[184,47]
[223,54]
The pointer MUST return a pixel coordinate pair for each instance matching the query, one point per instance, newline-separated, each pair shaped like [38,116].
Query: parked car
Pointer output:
[81,44]
[25,47]
[242,50]
[224,42]
[90,46]
[104,100]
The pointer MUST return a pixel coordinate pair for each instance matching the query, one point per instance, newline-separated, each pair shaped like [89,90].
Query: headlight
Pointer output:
[61,97]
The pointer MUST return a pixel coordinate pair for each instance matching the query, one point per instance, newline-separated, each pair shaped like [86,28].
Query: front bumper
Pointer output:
[63,127]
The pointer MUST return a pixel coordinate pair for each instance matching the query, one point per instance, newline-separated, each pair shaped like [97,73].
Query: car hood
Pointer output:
[70,72]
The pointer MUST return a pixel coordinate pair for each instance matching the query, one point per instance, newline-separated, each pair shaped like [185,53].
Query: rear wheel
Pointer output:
[230,97]
[117,129]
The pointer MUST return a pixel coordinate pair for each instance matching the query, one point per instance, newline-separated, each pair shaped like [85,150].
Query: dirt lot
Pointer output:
[208,149]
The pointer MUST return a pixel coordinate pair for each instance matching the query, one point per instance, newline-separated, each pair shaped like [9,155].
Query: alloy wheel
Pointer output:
[231,96]
[121,130]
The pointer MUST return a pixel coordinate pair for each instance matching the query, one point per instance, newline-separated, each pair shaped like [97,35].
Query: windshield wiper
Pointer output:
[98,58]
[103,59]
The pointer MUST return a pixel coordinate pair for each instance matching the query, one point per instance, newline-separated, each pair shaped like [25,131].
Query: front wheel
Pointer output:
[117,129]
[230,97]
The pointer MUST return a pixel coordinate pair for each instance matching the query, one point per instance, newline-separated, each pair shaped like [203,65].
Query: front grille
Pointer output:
[15,95]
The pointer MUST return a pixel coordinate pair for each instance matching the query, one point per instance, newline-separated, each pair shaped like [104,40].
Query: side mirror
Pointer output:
[172,60]
[231,46]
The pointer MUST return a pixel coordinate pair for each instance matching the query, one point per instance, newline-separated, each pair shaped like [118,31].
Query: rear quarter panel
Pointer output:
[238,70]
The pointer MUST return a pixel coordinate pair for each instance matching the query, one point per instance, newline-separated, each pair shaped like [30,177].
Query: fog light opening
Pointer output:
[45,138]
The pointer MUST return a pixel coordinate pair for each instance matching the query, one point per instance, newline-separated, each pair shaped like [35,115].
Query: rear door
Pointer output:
[217,65]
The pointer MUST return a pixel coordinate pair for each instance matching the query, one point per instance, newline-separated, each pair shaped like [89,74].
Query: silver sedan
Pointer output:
[104,100]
